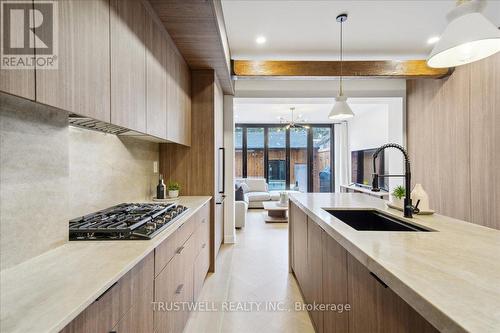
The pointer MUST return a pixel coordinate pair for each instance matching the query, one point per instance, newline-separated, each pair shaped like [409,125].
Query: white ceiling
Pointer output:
[313,110]
[307,29]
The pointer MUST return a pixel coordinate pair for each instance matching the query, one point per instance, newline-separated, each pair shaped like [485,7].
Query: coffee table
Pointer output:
[275,212]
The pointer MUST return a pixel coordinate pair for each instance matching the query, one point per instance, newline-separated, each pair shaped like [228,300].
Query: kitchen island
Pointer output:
[445,280]
[81,279]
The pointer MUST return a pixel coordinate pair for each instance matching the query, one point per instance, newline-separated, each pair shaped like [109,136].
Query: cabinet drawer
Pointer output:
[202,235]
[174,285]
[201,265]
[167,249]
[112,305]
[140,317]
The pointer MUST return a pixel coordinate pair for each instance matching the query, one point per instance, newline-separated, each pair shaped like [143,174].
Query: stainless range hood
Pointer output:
[101,126]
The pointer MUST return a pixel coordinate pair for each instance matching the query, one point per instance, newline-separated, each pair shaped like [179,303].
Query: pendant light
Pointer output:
[341,110]
[468,37]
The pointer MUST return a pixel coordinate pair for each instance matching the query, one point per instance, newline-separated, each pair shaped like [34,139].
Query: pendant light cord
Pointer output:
[341,57]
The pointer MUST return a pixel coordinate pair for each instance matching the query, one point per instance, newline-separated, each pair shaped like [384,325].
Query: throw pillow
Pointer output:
[245,187]
[239,195]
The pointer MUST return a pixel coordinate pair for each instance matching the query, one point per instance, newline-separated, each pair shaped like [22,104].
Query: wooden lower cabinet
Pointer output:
[328,274]
[172,275]
[109,308]
[140,317]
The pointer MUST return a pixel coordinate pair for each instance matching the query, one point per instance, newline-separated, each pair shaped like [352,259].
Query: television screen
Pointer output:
[362,168]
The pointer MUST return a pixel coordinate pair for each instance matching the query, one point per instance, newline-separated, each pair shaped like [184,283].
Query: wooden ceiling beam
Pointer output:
[400,69]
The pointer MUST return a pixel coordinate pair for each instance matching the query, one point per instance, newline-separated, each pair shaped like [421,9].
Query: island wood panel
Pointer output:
[156,80]
[438,141]
[19,82]
[314,282]
[198,29]
[334,284]
[485,141]
[81,84]
[376,308]
[128,64]
[298,220]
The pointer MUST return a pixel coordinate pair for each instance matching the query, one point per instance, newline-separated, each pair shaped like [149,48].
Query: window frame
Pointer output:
[310,148]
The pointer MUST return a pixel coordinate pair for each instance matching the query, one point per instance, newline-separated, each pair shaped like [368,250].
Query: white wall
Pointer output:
[229,225]
[376,126]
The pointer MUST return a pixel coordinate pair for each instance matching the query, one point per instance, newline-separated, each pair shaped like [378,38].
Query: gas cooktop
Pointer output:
[125,221]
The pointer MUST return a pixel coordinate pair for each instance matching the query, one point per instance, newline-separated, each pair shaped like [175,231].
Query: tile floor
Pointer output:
[255,269]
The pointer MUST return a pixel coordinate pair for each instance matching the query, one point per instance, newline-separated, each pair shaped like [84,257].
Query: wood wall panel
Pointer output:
[453,141]
[485,142]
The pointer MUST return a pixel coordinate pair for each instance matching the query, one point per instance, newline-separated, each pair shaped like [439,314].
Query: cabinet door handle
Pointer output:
[179,289]
[106,291]
[179,250]
[203,246]
[204,220]
[379,280]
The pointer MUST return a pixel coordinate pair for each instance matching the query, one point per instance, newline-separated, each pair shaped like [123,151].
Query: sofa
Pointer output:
[257,192]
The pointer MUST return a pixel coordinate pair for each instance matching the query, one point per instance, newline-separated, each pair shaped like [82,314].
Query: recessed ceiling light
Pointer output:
[433,40]
[260,40]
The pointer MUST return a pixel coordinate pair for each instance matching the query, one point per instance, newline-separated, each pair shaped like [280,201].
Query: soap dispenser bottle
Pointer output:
[160,189]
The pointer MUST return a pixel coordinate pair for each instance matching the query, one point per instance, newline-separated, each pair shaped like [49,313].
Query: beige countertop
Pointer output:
[45,293]
[451,277]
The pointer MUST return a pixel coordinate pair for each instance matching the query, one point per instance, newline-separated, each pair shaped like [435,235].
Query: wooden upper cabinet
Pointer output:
[81,82]
[19,82]
[185,73]
[156,79]
[178,98]
[128,64]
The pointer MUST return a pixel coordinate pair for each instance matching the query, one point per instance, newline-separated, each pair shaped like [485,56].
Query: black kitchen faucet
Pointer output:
[408,207]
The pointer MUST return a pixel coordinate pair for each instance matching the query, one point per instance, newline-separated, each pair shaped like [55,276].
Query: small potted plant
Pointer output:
[397,195]
[173,189]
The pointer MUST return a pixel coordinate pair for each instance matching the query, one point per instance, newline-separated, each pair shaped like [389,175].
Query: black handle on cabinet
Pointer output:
[106,291]
[179,250]
[203,246]
[179,288]
[223,150]
[203,220]
[379,280]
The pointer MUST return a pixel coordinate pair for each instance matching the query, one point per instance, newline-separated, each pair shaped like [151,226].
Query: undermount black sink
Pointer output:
[371,220]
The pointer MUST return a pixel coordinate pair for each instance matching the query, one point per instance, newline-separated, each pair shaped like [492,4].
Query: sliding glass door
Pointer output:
[255,152]
[276,161]
[322,159]
[299,158]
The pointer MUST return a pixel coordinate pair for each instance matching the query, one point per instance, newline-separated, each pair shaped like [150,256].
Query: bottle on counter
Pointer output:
[160,189]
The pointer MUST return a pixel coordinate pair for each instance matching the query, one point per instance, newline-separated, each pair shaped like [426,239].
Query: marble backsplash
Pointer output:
[105,170]
[51,172]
